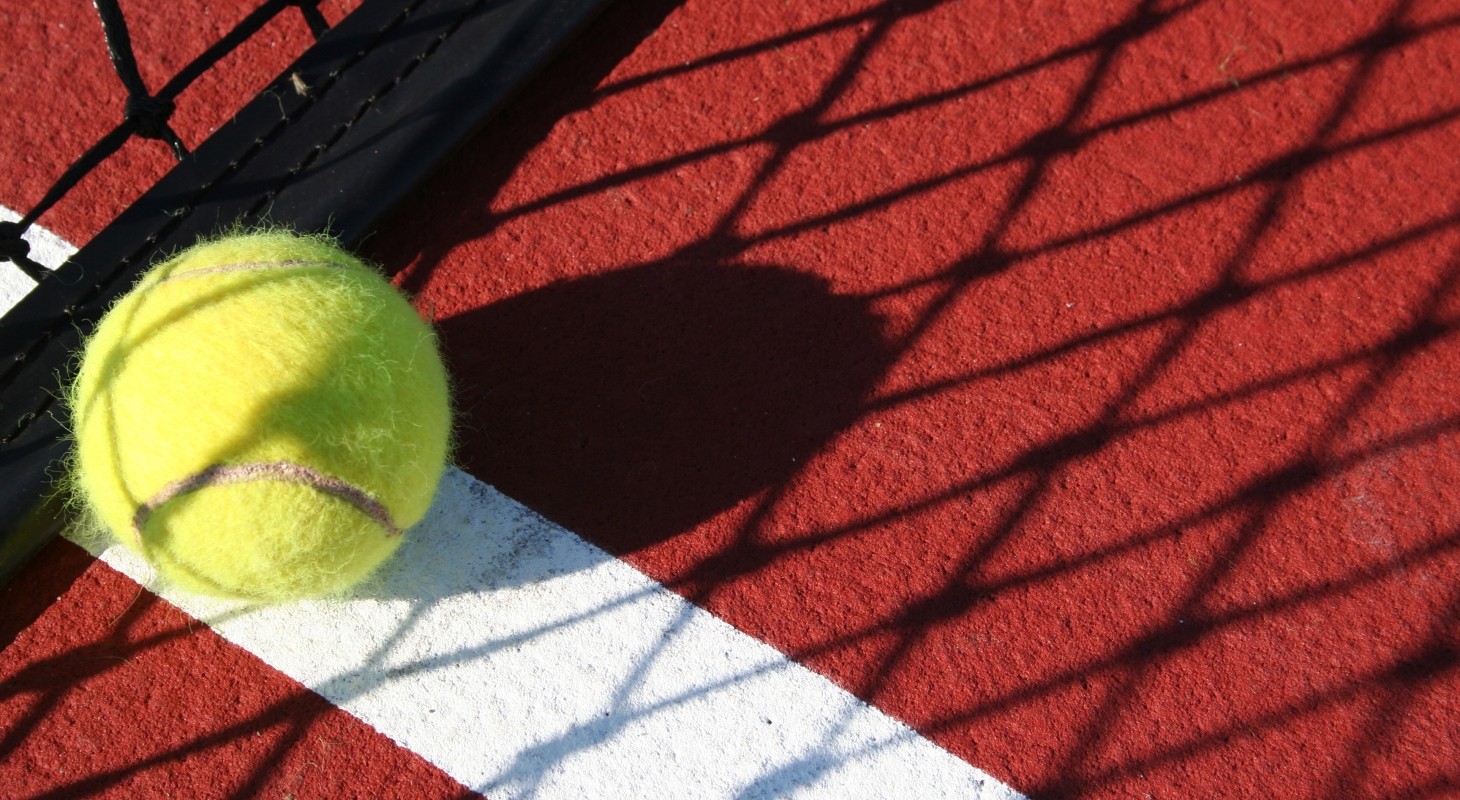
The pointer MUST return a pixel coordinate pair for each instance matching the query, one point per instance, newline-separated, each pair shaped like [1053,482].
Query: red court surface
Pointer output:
[1078,384]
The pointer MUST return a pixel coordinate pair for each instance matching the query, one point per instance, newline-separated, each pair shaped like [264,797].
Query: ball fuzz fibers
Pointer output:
[261,418]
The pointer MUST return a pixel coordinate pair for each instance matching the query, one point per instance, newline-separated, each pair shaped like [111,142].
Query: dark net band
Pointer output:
[145,115]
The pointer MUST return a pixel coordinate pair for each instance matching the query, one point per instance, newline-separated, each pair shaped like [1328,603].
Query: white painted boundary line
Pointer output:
[527,663]
[46,249]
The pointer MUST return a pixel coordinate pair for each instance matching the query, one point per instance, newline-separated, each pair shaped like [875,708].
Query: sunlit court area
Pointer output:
[838,399]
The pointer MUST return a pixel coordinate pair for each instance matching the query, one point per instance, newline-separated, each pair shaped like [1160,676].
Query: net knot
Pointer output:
[12,247]
[149,116]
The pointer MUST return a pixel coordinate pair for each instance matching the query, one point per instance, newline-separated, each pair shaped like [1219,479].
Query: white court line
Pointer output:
[46,249]
[527,663]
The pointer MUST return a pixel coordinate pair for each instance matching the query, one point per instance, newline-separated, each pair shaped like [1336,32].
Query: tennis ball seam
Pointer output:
[243,266]
[280,471]
[287,351]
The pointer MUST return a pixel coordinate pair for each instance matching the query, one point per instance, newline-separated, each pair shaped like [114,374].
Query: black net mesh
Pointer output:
[146,114]
[390,89]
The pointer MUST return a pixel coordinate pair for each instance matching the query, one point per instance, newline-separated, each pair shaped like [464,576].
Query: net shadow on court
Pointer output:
[561,321]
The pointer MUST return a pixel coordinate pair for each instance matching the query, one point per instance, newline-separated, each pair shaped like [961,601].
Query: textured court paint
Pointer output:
[626,685]
[1232,584]
[31,591]
[64,94]
[1137,330]
[112,692]
[527,663]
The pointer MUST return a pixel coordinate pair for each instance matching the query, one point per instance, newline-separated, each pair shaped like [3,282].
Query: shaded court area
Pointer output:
[1144,484]
[1077,384]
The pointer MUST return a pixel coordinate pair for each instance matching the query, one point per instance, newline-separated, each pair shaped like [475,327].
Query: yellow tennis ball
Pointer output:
[261,418]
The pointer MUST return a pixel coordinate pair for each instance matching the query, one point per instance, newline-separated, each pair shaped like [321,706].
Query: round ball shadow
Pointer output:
[631,406]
